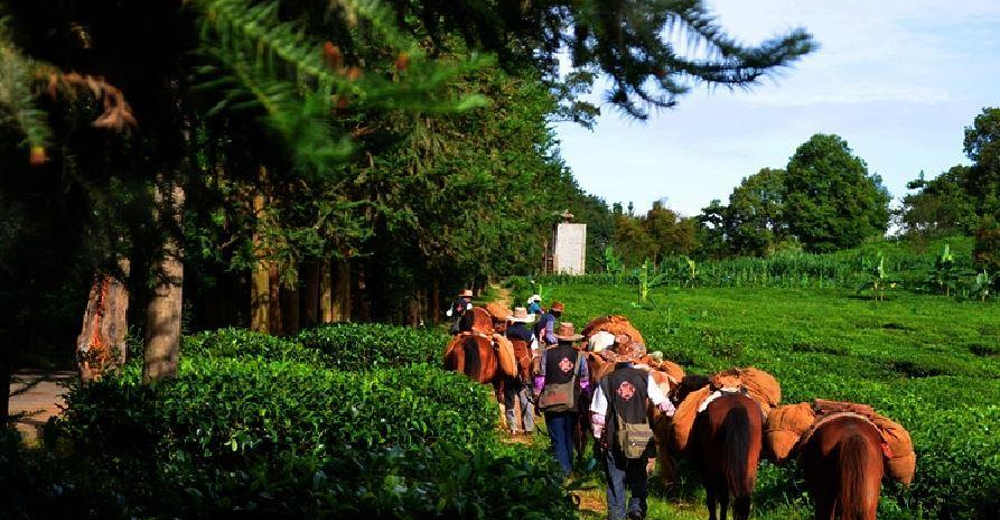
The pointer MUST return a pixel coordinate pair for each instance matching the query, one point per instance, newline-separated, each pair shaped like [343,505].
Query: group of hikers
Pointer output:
[604,384]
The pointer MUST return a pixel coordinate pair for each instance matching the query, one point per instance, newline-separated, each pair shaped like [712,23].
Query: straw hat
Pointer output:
[466,293]
[567,332]
[558,307]
[521,316]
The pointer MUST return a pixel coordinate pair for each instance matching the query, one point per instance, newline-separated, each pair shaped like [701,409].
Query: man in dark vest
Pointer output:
[545,327]
[618,414]
[561,378]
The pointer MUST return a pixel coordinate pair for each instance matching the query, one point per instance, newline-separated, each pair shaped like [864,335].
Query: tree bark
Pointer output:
[164,312]
[290,310]
[260,277]
[310,300]
[436,301]
[342,296]
[100,347]
[326,291]
[274,301]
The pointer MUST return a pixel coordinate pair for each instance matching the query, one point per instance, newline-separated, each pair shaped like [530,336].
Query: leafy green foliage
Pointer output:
[371,346]
[878,279]
[831,202]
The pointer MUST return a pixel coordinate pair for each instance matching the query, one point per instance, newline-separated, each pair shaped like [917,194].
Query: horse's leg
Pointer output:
[723,500]
[710,499]
[741,508]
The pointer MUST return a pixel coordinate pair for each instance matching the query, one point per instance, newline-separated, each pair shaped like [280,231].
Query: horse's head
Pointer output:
[688,384]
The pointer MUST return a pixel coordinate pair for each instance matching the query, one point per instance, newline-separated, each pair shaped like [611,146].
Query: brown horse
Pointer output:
[725,445]
[843,466]
[476,357]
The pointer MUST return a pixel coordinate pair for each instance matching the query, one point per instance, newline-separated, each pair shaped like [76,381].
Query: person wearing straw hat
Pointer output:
[458,308]
[562,377]
[516,388]
[545,328]
[535,304]
[621,427]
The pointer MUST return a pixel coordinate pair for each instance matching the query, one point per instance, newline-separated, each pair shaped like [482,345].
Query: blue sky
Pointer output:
[899,80]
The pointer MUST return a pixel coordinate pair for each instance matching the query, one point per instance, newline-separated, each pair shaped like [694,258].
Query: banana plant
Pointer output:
[982,285]
[649,278]
[692,271]
[946,275]
[878,280]
[614,263]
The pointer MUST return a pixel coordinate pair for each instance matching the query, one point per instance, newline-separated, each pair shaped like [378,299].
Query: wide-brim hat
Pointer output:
[521,316]
[467,293]
[558,307]
[534,298]
[566,332]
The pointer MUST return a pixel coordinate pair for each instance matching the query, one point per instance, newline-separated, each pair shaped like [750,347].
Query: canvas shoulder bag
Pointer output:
[560,397]
[633,439]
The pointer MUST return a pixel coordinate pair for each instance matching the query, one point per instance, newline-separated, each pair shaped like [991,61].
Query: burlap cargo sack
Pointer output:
[615,325]
[763,387]
[785,426]
[498,312]
[684,418]
[505,355]
[902,464]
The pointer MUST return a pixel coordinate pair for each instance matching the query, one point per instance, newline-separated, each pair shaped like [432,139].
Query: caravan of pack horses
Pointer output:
[604,389]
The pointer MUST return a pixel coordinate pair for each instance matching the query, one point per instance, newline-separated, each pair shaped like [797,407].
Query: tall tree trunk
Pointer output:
[163,314]
[100,347]
[274,301]
[342,296]
[436,301]
[290,311]
[310,300]
[326,291]
[260,278]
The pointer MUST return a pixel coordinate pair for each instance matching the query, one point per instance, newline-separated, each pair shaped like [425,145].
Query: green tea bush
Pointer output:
[353,346]
[242,343]
[283,439]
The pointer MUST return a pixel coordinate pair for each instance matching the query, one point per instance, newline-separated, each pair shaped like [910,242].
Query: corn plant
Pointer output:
[692,271]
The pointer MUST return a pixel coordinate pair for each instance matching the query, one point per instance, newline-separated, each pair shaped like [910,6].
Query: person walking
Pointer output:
[516,388]
[561,380]
[535,304]
[621,427]
[545,328]
[458,308]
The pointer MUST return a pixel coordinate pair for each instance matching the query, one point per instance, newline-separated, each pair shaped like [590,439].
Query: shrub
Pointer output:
[242,343]
[352,346]
[284,439]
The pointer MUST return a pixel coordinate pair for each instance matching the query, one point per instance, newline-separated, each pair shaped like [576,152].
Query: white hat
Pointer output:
[534,298]
[601,340]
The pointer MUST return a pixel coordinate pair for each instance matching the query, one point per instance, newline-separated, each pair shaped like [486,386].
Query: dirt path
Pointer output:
[36,396]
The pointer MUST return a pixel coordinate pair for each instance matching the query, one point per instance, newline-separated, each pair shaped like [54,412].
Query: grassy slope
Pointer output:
[929,362]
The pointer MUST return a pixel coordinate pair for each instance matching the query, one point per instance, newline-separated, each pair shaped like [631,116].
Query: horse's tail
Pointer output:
[473,361]
[855,500]
[736,450]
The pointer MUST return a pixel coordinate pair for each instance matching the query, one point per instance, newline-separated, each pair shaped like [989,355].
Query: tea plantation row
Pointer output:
[339,422]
